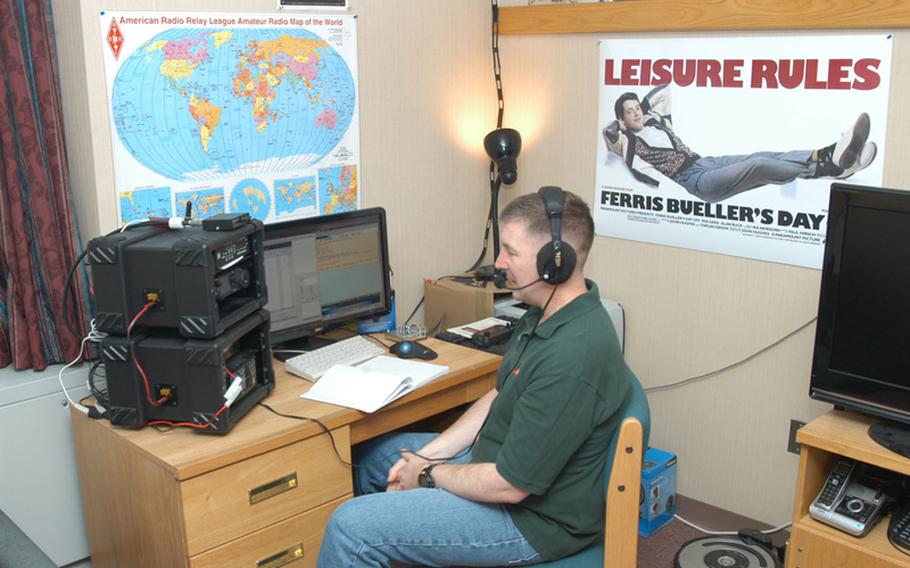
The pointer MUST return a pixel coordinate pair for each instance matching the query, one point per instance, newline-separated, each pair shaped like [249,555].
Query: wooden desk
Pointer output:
[259,496]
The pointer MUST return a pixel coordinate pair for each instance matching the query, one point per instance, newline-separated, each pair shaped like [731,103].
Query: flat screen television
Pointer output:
[326,271]
[862,340]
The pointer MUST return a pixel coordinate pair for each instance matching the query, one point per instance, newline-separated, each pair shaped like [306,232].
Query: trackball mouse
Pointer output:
[413,350]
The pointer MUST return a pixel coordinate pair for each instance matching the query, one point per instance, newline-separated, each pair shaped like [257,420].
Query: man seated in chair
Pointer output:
[518,479]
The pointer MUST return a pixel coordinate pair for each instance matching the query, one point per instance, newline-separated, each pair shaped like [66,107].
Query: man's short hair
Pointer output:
[577,224]
[617,106]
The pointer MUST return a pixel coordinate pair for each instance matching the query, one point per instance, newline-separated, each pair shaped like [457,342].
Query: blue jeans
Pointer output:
[715,178]
[426,527]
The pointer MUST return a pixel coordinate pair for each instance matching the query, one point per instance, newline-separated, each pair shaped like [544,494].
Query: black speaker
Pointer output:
[556,259]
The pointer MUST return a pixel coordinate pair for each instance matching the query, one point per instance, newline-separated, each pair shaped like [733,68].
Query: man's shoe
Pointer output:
[865,158]
[825,168]
[852,143]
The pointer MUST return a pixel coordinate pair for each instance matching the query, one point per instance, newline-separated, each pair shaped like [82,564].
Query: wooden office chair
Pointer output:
[622,484]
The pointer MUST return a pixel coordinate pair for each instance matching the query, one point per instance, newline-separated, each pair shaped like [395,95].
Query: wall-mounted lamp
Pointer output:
[503,146]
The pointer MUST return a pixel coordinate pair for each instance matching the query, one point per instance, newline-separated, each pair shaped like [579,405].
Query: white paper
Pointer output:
[358,388]
[469,329]
[420,373]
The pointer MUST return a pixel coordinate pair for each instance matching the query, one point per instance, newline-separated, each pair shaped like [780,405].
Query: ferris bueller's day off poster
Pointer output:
[730,145]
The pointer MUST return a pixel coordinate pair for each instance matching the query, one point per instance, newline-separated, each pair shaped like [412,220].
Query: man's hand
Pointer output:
[403,475]
[611,131]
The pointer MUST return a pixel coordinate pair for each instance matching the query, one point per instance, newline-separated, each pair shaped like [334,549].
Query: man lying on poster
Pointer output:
[642,132]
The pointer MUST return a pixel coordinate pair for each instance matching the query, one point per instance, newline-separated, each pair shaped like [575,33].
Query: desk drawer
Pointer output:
[293,542]
[238,499]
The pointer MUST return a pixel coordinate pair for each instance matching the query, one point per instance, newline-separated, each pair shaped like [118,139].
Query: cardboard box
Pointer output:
[459,301]
[658,491]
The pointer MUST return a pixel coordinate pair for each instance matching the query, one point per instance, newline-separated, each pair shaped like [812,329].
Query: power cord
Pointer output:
[741,362]
[69,292]
[129,331]
[93,336]
[379,341]
[500,102]
[731,533]
[325,429]
[897,547]
[423,298]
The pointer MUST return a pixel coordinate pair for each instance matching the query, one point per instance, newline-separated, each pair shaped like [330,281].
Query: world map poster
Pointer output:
[232,113]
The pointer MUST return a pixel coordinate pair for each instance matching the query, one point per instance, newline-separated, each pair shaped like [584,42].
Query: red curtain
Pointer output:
[38,236]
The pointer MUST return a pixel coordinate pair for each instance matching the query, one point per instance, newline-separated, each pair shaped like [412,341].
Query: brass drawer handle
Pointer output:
[273,488]
[282,558]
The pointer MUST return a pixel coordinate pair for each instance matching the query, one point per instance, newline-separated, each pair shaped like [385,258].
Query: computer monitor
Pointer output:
[326,271]
[861,359]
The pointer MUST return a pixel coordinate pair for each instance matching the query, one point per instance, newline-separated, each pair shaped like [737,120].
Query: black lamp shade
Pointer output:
[502,146]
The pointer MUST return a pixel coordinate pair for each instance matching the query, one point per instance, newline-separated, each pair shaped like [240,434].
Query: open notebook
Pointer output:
[373,384]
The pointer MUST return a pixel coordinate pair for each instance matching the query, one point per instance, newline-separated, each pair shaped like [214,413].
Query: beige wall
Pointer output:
[426,101]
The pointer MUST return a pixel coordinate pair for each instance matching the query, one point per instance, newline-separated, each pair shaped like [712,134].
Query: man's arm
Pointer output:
[616,140]
[457,437]
[657,104]
[477,482]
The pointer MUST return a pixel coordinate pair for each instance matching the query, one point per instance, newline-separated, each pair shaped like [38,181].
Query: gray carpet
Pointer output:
[659,550]
[17,550]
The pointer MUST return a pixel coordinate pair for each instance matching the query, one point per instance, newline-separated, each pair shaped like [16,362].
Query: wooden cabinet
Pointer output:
[691,15]
[259,496]
[814,544]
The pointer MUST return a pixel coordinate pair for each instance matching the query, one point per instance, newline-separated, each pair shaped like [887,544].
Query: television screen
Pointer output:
[862,342]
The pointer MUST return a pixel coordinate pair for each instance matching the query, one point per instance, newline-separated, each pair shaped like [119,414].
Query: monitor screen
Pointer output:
[862,344]
[325,271]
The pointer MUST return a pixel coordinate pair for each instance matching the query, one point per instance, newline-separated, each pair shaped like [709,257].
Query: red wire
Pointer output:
[189,424]
[148,391]
[193,424]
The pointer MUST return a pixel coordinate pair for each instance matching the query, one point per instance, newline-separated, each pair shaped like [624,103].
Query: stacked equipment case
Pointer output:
[188,341]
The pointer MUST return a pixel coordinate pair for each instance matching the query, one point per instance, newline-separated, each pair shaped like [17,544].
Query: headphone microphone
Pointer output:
[555,260]
[499,280]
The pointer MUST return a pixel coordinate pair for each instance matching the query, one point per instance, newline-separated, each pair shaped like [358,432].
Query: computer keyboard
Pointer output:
[350,351]
[899,527]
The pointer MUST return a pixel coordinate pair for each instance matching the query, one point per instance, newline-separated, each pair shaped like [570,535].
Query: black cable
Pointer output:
[497,74]
[500,104]
[439,325]
[414,311]
[66,295]
[486,240]
[317,421]
[379,341]
[898,547]
[70,293]
[732,365]
[423,298]
[100,396]
[484,423]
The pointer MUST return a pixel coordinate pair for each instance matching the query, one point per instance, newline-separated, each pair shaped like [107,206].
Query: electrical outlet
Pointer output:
[792,445]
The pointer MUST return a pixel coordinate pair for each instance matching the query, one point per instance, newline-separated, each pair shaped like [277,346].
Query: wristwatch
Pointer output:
[425,478]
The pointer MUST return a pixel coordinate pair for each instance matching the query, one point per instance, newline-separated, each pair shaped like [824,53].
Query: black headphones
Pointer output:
[556,259]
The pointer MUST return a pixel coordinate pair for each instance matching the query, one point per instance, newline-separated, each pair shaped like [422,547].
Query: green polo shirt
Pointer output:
[560,388]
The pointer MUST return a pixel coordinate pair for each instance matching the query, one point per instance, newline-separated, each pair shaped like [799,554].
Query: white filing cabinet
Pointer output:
[39,481]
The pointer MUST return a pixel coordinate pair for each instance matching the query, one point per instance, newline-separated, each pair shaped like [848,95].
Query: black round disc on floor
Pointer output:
[724,552]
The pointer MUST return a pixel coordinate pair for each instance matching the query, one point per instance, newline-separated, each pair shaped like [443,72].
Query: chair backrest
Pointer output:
[622,481]
[635,407]
[622,486]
